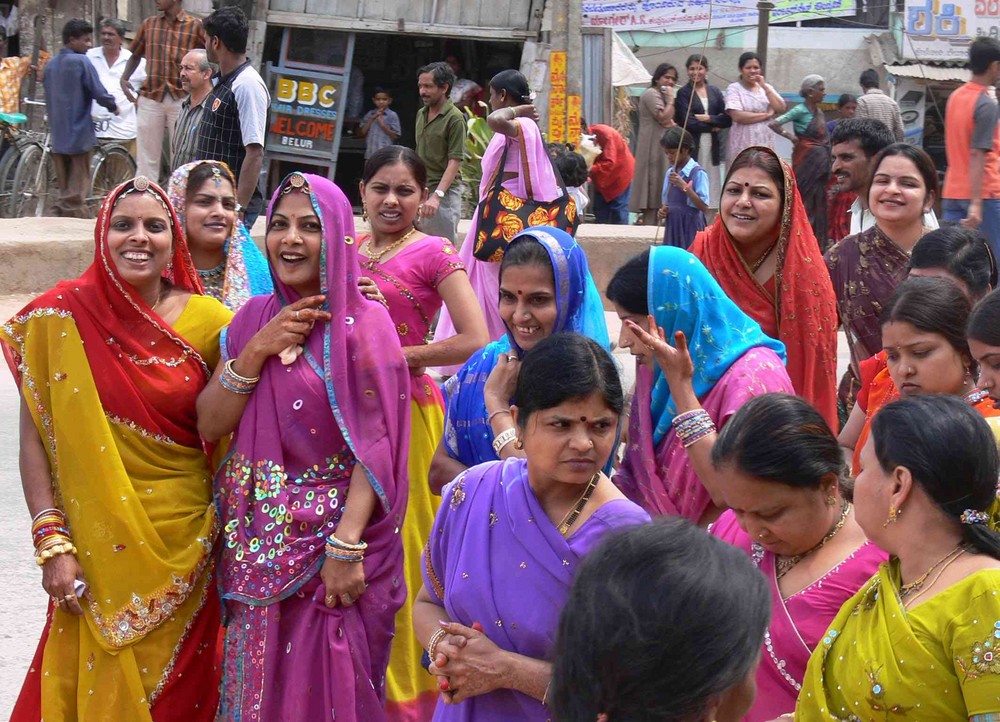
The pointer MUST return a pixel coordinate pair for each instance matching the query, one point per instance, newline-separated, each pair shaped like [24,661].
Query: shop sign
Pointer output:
[678,15]
[305,112]
[936,30]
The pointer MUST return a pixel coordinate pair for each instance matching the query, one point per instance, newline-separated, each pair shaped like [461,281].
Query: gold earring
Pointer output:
[893,515]
[831,500]
[518,444]
[419,216]
[364,211]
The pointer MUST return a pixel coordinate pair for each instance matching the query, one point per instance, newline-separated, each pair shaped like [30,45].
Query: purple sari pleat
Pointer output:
[501,562]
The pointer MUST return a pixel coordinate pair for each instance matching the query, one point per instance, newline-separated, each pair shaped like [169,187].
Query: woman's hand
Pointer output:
[344,581]
[477,667]
[370,290]
[703,117]
[528,110]
[674,361]
[677,181]
[59,575]
[290,327]
[501,382]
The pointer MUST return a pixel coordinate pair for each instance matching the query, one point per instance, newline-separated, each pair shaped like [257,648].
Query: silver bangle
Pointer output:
[502,439]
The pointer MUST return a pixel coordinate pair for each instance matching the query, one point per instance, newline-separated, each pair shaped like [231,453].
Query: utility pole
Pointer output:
[764,8]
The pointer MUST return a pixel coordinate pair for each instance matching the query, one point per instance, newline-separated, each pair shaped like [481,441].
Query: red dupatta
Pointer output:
[145,373]
[802,313]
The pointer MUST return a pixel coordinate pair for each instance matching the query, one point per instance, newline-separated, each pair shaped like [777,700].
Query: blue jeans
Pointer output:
[954,210]
[614,211]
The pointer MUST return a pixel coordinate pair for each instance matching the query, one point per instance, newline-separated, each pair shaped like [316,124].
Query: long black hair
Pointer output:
[661,619]
[963,253]
[565,366]
[782,439]
[951,453]
[933,305]
[630,285]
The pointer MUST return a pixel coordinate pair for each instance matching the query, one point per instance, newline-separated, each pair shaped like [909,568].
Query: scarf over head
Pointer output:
[800,309]
[246,271]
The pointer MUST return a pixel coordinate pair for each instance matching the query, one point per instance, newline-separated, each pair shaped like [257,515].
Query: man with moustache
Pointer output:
[109,61]
[854,144]
[441,132]
[196,79]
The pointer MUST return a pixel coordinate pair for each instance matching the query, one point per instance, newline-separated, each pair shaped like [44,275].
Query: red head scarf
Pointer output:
[801,307]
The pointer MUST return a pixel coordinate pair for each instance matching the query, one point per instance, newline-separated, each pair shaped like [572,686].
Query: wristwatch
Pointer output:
[439,193]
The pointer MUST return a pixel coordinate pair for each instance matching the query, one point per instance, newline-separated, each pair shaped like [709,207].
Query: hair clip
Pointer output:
[974,516]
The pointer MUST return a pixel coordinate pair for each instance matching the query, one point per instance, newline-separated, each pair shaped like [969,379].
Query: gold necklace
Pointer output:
[376,256]
[574,513]
[760,261]
[906,590]
[159,297]
[786,564]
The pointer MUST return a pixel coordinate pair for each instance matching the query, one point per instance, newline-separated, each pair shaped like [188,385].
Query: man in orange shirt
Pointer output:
[971,192]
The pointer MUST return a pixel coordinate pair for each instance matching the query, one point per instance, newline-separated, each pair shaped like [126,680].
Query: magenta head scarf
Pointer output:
[350,385]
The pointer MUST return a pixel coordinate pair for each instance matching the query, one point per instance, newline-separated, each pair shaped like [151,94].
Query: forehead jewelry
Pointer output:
[296,182]
[142,184]
[217,175]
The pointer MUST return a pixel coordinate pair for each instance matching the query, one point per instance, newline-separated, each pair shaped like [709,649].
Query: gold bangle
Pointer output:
[42,557]
[243,379]
[432,645]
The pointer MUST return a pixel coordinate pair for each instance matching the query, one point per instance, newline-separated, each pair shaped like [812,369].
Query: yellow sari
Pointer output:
[879,661]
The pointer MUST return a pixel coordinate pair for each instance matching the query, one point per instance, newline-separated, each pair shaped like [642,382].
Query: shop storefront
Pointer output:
[322,81]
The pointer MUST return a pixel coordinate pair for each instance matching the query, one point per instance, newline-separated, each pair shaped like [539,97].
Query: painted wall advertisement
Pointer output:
[557,97]
[936,30]
[305,111]
[677,15]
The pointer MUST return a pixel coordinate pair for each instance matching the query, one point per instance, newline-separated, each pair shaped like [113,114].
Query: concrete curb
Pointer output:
[37,253]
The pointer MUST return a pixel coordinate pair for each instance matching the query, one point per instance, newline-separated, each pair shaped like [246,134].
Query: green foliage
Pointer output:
[478,137]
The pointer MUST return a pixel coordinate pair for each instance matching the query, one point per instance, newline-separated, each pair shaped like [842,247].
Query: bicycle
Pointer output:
[12,140]
[35,185]
[111,166]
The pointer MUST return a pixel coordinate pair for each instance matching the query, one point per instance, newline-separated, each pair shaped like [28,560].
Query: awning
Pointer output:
[924,71]
[626,69]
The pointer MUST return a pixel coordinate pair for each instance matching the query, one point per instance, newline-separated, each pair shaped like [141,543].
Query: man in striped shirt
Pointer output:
[163,41]
[196,77]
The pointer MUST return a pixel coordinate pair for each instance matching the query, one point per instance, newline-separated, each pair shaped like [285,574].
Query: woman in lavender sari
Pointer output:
[316,391]
[510,534]
[783,469]
[721,360]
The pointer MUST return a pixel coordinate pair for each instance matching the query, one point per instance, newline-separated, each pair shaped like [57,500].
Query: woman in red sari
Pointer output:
[763,253]
[109,366]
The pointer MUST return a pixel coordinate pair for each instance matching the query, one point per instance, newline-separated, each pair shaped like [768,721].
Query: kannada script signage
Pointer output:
[304,112]
[677,15]
[935,30]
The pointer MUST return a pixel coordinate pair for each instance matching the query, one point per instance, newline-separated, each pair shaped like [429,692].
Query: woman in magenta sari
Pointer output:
[510,534]
[316,390]
[527,173]
[722,359]
[783,468]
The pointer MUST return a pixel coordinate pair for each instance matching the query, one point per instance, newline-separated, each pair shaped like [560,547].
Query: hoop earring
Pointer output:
[894,514]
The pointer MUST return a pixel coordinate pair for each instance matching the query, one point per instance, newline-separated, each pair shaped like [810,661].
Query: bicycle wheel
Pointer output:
[35,184]
[8,164]
[112,166]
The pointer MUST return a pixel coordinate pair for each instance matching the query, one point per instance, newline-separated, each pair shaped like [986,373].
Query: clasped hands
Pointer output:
[467,663]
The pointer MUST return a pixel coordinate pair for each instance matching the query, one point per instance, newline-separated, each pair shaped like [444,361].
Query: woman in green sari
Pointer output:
[921,640]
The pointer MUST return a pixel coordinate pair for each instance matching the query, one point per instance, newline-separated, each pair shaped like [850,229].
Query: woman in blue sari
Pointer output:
[545,288]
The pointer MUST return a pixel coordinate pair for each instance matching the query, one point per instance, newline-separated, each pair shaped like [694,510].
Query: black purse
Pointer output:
[501,215]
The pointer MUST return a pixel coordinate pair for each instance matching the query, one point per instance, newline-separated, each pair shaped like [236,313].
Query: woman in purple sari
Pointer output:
[783,469]
[510,534]
[316,392]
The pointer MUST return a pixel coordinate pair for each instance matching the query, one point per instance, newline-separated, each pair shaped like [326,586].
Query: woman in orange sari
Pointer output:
[923,337]
[762,251]
[119,485]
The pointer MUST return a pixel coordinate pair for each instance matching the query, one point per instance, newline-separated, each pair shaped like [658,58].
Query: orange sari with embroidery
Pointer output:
[111,389]
[797,306]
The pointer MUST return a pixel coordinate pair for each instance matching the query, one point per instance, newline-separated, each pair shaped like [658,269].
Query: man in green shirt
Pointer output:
[441,144]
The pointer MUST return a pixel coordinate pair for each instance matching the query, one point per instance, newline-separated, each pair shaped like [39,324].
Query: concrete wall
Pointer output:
[37,253]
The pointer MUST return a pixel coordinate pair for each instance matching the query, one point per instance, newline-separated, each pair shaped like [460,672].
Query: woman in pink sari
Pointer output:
[312,494]
[783,469]
[722,359]
[527,172]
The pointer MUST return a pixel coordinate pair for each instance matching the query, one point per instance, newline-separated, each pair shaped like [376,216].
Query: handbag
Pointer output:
[501,215]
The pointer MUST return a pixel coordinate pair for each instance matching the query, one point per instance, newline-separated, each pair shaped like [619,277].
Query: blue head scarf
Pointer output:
[684,296]
[467,433]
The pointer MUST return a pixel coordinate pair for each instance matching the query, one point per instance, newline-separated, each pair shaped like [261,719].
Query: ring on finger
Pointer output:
[296,315]
[330,598]
[348,599]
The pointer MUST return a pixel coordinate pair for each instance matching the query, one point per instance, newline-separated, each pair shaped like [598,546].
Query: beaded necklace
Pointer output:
[786,564]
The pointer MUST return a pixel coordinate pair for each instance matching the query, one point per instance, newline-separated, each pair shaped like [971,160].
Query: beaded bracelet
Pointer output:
[232,381]
[692,426]
[502,439]
[435,640]
[65,547]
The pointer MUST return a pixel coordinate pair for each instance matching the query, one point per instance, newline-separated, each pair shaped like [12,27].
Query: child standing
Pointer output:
[381,125]
[685,192]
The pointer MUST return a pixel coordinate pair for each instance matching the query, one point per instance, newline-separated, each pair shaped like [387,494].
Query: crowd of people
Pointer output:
[251,500]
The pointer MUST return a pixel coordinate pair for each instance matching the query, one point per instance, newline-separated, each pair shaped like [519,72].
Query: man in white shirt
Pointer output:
[110,59]
[855,143]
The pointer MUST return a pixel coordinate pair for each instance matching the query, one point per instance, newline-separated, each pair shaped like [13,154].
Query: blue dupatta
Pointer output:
[684,296]
[467,433]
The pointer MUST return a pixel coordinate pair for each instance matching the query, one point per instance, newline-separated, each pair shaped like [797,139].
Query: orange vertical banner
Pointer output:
[574,113]
[557,97]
